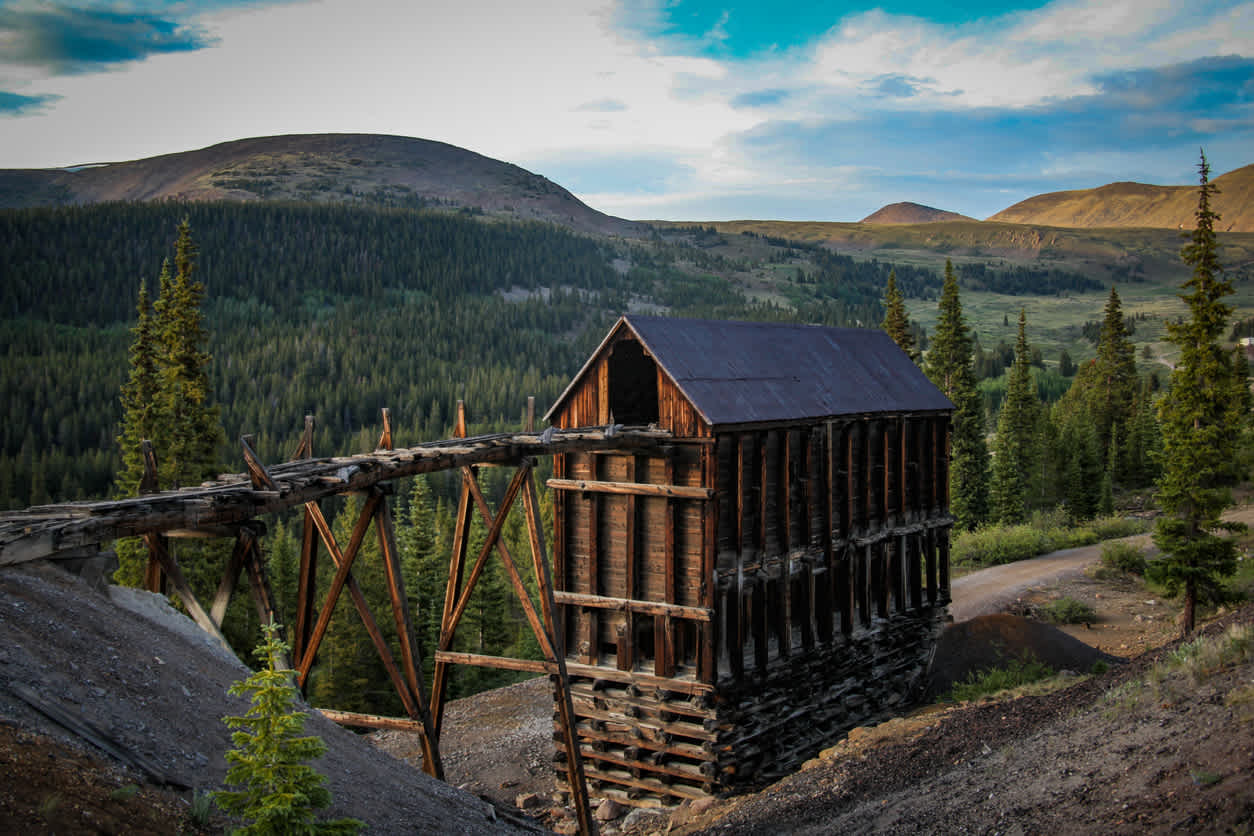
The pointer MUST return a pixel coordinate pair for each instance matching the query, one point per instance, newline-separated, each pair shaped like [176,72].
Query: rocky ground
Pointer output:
[1166,753]
[122,668]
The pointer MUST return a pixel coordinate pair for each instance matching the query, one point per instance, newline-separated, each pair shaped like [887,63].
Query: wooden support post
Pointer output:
[306,589]
[452,591]
[157,549]
[566,709]
[432,764]
[929,558]
[385,440]
[230,578]
[529,423]
[707,650]
[626,632]
[343,562]
[154,578]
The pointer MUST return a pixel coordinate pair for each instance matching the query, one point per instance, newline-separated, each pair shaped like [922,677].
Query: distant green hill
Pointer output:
[361,169]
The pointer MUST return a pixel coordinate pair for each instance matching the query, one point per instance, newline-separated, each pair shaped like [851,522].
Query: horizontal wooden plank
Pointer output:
[683,686]
[501,662]
[634,488]
[370,721]
[631,605]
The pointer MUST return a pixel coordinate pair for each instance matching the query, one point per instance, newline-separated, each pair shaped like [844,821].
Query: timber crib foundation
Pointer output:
[775,576]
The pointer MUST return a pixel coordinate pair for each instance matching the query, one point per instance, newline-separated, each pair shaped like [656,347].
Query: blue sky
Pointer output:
[681,109]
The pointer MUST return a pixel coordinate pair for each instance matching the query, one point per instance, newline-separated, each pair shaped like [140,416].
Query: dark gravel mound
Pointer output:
[994,641]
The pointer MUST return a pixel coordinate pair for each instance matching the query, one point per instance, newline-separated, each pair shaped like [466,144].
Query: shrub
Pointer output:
[1068,610]
[1124,557]
[992,680]
[280,792]
[993,545]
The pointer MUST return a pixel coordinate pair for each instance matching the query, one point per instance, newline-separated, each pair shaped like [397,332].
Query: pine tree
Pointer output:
[280,791]
[1115,369]
[949,366]
[139,398]
[1015,445]
[896,323]
[1202,416]
[168,400]
[190,430]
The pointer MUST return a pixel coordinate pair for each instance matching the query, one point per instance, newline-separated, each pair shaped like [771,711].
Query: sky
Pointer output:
[662,109]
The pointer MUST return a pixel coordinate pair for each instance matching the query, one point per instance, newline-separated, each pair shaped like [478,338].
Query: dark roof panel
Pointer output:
[753,372]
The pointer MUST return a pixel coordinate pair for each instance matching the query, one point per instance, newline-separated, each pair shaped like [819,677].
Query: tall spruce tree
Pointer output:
[896,323]
[139,397]
[1202,416]
[1015,452]
[949,366]
[192,433]
[168,400]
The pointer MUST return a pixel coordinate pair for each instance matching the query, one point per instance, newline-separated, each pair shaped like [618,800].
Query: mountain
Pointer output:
[911,213]
[1139,205]
[344,168]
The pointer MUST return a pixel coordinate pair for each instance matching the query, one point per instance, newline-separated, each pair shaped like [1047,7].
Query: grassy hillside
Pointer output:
[1139,205]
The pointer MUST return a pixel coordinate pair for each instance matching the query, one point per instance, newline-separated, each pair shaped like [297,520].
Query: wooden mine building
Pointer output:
[775,576]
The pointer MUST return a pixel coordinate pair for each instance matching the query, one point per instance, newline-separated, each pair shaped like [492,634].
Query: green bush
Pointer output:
[992,680]
[995,544]
[1068,610]
[1124,557]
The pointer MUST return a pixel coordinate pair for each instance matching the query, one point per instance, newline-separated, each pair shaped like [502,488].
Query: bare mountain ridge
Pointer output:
[345,168]
[1139,205]
[911,213]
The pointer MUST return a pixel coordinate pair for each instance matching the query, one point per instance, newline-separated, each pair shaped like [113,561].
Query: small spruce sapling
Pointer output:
[280,792]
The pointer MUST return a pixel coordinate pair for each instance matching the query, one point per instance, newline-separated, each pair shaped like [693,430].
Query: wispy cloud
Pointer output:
[15,104]
[601,106]
[661,108]
[61,40]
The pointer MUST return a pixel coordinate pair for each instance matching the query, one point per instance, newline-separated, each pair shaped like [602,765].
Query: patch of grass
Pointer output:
[997,544]
[1068,610]
[125,793]
[988,681]
[1177,676]
[201,809]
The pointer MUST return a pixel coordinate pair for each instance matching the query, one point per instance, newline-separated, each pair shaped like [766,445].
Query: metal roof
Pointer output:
[759,372]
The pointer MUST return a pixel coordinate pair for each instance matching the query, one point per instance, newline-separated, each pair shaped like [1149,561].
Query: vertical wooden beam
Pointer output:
[708,631]
[590,617]
[432,763]
[529,422]
[230,577]
[626,654]
[385,439]
[929,558]
[158,551]
[942,564]
[452,591]
[566,709]
[154,578]
[306,587]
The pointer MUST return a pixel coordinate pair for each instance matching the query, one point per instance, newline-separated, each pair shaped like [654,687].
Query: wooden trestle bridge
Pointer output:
[230,506]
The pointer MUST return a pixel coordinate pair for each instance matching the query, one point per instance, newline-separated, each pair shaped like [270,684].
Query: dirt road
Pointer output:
[989,590]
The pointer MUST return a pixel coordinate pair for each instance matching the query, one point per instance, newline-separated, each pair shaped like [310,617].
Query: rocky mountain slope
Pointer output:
[346,168]
[148,681]
[1139,205]
[911,213]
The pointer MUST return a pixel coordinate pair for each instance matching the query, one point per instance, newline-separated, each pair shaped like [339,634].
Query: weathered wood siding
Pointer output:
[806,576]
